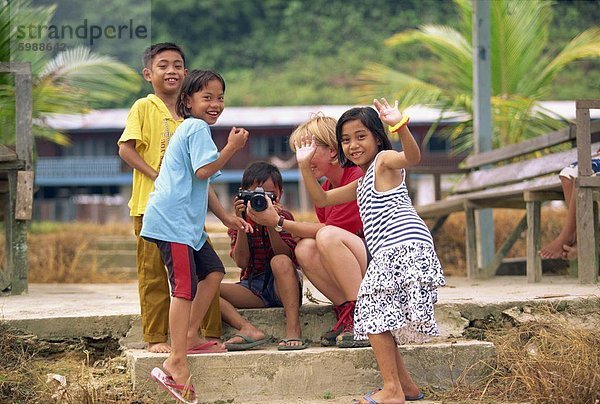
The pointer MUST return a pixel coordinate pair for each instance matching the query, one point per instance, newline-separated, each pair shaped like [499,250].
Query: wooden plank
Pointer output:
[24,137]
[12,67]
[24,198]
[587,242]
[490,269]
[520,171]
[525,147]
[534,243]
[519,149]
[530,196]
[591,104]
[439,222]
[441,208]
[7,154]
[16,242]
[471,244]
[584,159]
[13,165]
[589,182]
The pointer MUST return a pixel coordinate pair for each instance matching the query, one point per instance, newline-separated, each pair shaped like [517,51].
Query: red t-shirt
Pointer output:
[345,215]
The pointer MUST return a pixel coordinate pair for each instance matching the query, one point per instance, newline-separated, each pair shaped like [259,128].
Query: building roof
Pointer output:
[107,119]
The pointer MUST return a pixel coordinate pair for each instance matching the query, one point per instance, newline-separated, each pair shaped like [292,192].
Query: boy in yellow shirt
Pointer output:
[150,123]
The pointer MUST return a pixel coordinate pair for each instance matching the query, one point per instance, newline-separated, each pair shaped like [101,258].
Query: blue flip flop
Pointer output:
[370,400]
[418,397]
[367,397]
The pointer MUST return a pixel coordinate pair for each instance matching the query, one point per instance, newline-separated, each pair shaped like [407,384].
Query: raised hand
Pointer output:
[388,114]
[305,150]
[237,137]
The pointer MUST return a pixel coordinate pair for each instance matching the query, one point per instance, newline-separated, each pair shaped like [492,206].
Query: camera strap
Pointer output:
[268,272]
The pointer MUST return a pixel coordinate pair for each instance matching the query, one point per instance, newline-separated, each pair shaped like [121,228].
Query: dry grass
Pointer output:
[450,241]
[32,371]
[546,360]
[62,252]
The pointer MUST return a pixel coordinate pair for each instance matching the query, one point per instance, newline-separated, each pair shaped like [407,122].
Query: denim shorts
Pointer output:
[268,295]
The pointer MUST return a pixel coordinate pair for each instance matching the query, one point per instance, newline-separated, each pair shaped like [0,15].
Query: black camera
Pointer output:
[257,198]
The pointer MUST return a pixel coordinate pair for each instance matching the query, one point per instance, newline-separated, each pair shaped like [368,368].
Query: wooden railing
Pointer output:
[16,167]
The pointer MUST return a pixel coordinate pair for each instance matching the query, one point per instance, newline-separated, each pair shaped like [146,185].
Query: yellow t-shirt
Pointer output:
[151,125]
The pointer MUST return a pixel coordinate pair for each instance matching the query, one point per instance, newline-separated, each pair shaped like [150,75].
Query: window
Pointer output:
[265,146]
[437,144]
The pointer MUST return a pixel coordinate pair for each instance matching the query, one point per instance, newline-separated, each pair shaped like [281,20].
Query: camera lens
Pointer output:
[258,202]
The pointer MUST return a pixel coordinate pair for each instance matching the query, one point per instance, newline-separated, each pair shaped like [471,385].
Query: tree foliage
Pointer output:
[522,69]
[69,82]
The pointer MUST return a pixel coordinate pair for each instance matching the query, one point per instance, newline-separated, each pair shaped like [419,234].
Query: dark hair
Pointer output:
[259,172]
[370,118]
[157,48]
[195,81]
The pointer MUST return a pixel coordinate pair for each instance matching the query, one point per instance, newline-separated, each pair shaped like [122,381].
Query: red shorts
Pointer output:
[186,266]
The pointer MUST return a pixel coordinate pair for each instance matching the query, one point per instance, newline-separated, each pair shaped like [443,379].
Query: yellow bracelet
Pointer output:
[403,122]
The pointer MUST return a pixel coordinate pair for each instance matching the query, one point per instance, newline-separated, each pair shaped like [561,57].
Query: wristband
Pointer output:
[403,122]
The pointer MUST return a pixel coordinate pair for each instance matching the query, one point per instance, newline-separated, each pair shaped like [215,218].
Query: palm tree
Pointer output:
[69,82]
[522,70]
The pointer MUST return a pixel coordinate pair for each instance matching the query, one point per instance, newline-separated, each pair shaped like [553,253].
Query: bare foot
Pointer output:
[292,332]
[570,252]
[159,347]
[383,396]
[178,370]
[554,249]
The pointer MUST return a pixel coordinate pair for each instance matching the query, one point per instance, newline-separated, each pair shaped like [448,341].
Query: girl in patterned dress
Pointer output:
[396,297]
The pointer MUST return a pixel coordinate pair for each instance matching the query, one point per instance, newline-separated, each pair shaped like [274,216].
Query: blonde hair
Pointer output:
[323,129]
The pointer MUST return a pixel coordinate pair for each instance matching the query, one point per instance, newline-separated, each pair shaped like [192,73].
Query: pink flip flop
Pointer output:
[184,393]
[205,348]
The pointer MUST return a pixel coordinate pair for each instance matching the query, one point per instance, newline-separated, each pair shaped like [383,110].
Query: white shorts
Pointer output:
[570,171]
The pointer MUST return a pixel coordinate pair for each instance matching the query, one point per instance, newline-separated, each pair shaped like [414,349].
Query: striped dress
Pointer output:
[398,291]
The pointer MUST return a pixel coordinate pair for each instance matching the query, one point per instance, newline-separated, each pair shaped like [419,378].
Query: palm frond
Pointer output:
[103,78]
[585,45]
[447,44]
[519,36]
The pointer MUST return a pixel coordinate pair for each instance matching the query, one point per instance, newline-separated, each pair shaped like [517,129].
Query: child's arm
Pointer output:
[269,217]
[240,252]
[320,198]
[410,154]
[130,156]
[236,140]
[229,220]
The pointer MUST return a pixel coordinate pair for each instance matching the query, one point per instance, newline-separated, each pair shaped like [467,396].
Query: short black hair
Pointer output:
[259,172]
[195,81]
[157,48]
[370,118]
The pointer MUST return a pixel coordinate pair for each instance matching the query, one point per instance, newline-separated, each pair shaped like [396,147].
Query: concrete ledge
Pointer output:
[63,328]
[272,375]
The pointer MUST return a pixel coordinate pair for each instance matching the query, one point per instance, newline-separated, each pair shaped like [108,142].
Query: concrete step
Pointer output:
[268,375]
[106,259]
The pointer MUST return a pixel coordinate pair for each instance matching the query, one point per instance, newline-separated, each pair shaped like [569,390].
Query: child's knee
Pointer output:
[281,264]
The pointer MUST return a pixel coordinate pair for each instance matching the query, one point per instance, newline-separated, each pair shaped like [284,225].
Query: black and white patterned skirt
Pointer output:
[398,292]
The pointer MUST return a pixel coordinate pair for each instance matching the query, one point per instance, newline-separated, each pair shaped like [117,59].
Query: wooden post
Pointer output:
[20,184]
[534,262]
[471,243]
[586,220]
[482,116]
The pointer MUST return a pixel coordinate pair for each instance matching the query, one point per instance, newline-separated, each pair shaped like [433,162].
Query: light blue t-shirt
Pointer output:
[176,210]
